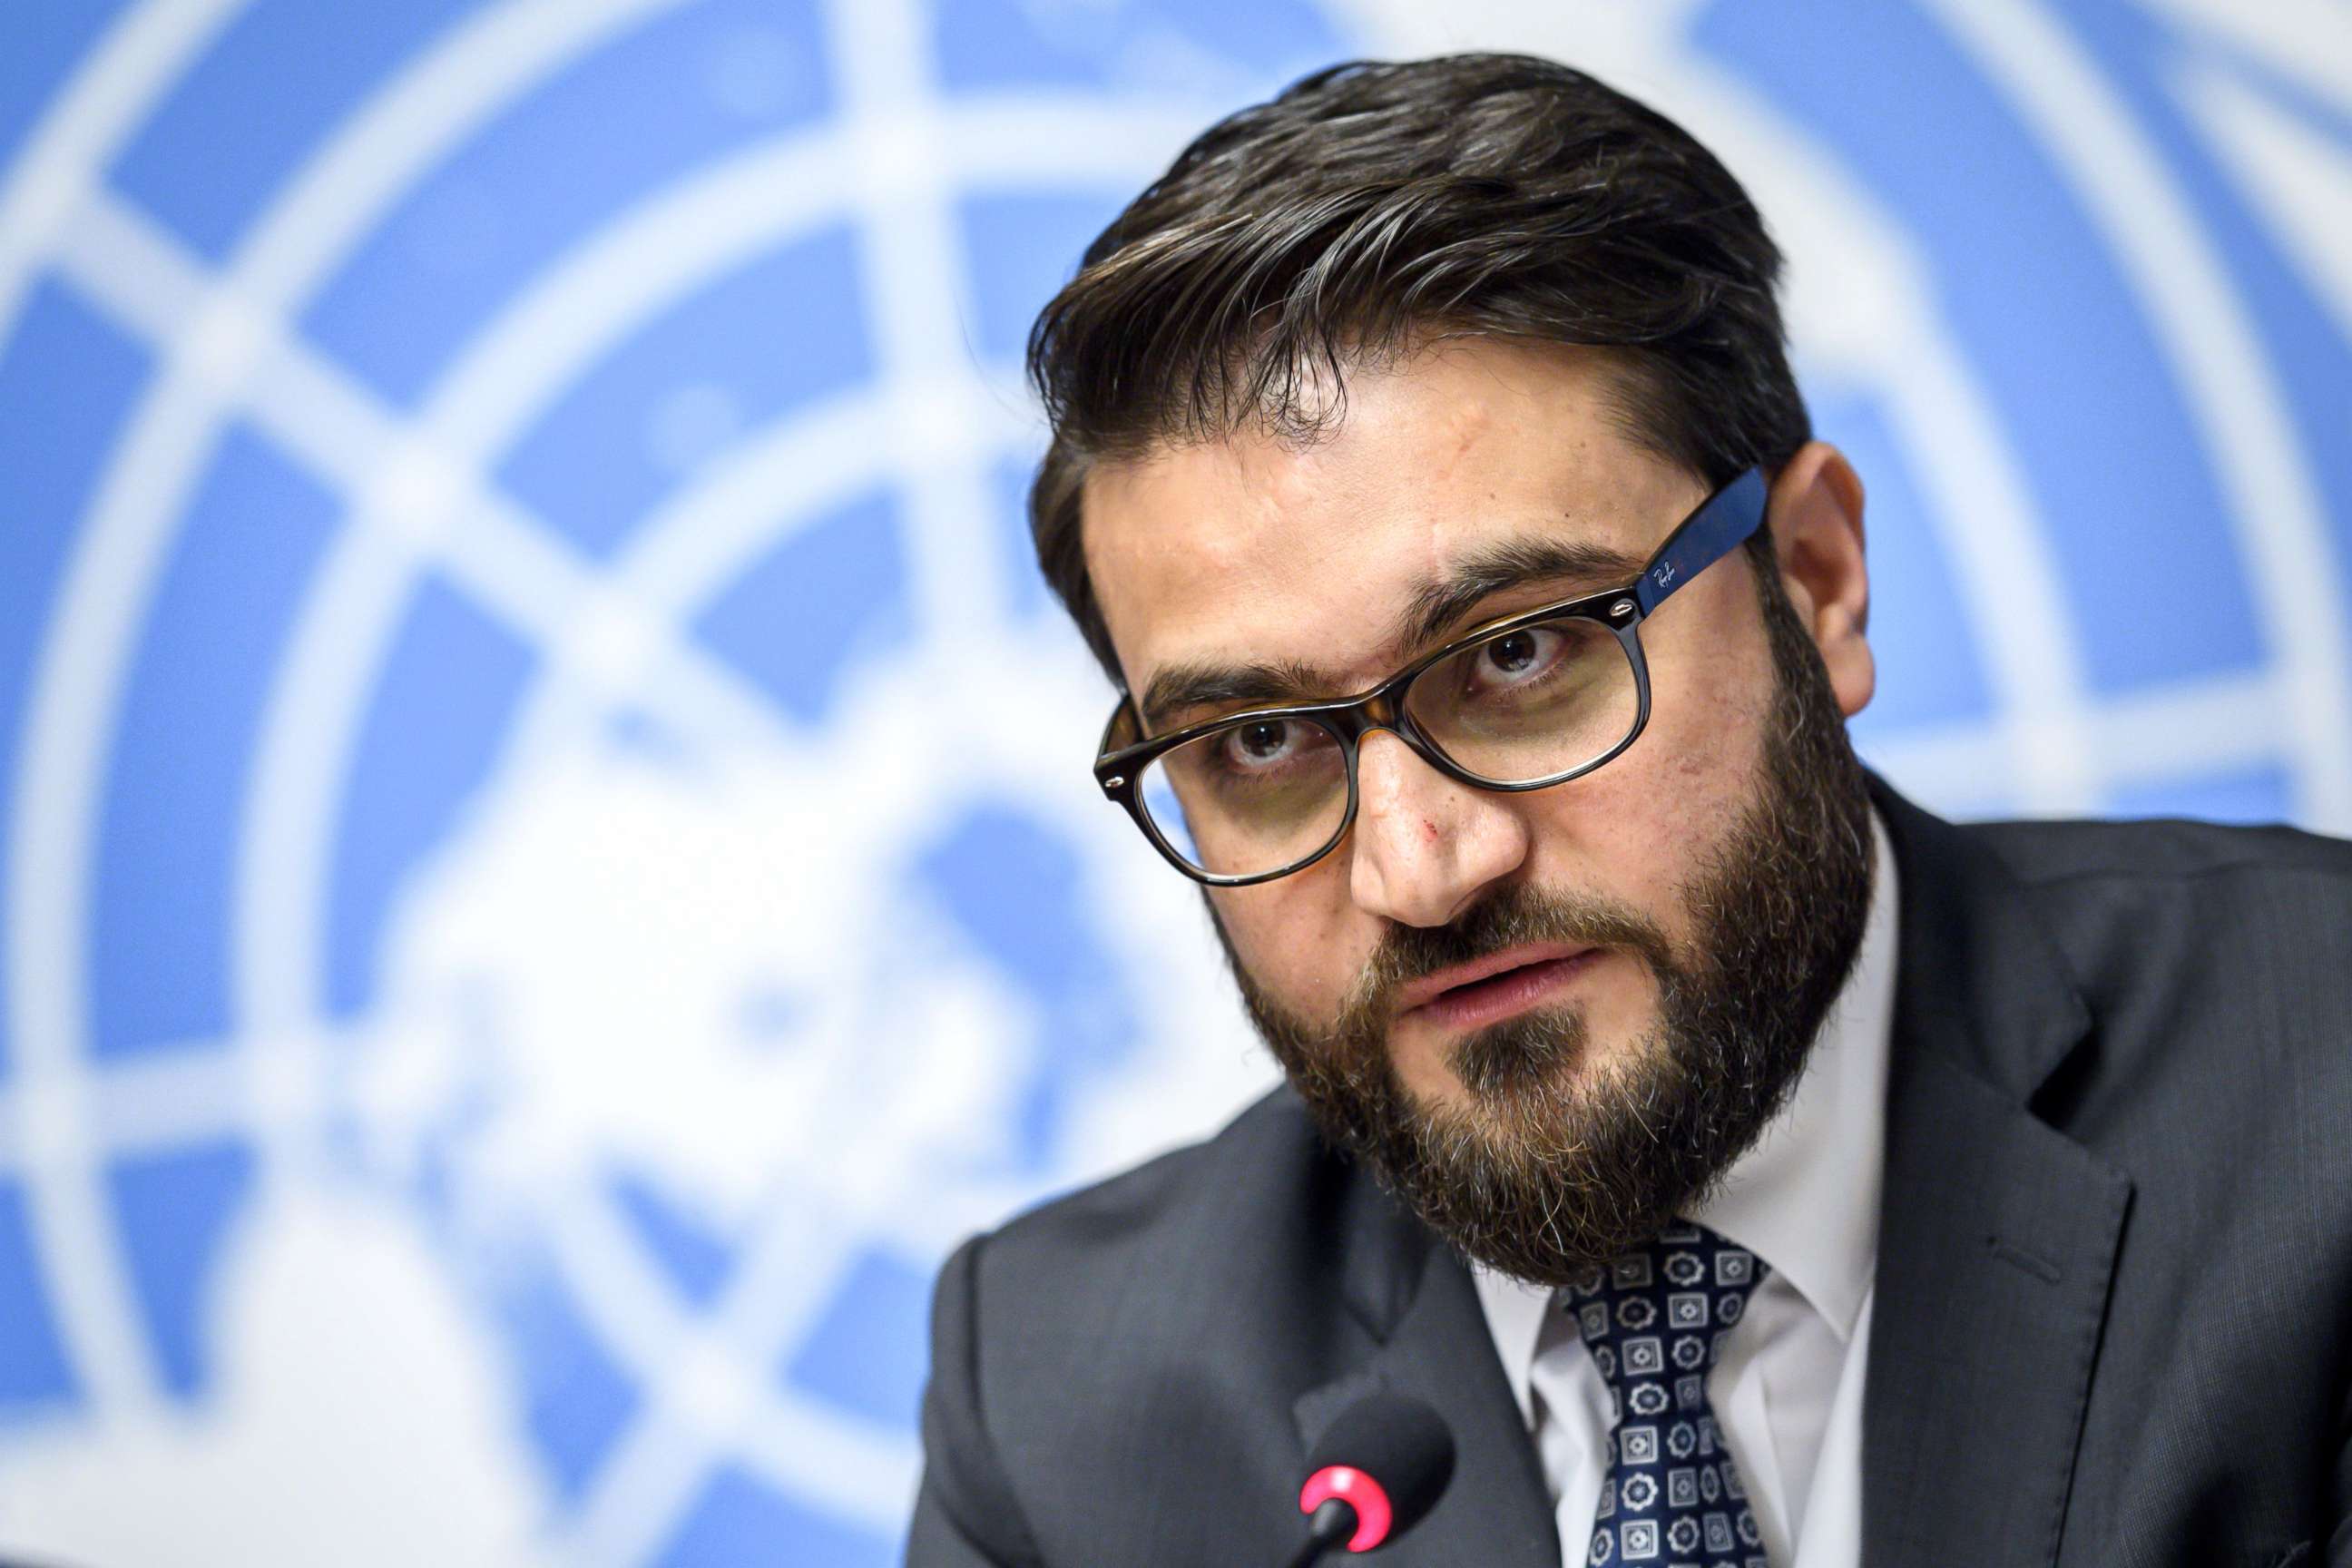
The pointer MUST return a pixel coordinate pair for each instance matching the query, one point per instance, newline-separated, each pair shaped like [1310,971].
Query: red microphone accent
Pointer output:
[1359,1492]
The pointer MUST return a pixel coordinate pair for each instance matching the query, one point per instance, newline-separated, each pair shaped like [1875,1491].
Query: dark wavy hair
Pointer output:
[1372,208]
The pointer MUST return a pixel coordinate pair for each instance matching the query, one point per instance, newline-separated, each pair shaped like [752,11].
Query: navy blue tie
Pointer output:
[1655,1321]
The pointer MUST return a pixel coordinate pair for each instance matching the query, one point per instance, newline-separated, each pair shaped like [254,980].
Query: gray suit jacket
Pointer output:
[2113,1320]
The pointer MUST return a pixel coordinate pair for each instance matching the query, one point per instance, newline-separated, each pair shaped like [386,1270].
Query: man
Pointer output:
[1749,1167]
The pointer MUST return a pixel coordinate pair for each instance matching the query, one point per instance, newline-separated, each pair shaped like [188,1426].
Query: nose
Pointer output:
[1425,846]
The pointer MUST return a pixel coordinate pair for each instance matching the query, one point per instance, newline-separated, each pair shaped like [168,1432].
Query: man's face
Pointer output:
[1503,1000]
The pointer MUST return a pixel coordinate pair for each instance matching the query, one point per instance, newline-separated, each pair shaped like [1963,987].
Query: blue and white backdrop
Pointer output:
[529,919]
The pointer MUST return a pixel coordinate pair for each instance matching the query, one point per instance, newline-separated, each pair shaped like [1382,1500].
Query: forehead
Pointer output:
[1254,549]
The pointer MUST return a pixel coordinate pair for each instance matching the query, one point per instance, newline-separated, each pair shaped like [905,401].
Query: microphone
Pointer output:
[1376,1472]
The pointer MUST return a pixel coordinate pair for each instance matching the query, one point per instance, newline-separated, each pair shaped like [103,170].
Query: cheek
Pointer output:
[1711,668]
[1646,823]
[1711,695]
[1301,939]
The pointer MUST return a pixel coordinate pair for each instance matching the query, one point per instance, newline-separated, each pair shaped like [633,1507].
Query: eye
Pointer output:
[1515,658]
[1256,747]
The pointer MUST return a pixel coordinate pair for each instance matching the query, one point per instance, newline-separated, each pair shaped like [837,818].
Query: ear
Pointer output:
[1816,511]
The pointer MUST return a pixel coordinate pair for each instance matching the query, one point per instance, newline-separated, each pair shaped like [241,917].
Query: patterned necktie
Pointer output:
[1655,1321]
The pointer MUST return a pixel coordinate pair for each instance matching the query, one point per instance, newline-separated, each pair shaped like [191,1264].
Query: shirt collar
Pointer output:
[1805,1197]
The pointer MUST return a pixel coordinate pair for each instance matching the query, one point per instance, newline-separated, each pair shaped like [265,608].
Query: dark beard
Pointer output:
[1547,1170]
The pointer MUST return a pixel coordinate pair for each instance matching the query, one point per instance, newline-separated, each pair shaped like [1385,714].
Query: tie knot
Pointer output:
[1663,1311]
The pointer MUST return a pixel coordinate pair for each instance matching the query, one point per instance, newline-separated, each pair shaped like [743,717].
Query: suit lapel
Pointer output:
[1432,1341]
[1998,1233]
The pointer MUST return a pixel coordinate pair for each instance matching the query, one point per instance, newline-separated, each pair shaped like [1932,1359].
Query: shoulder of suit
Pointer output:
[2251,914]
[2216,961]
[2158,849]
[2254,916]
[1215,1256]
[1249,1184]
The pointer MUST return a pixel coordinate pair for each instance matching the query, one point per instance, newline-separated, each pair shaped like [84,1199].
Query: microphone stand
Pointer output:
[1333,1520]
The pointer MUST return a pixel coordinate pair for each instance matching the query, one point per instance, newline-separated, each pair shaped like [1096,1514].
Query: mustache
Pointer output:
[1511,917]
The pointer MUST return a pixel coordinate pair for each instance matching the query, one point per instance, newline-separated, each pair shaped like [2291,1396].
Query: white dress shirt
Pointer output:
[1787,1393]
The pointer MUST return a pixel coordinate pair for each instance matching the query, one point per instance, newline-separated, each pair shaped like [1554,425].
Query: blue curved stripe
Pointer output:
[1245,48]
[830,598]
[1019,248]
[554,168]
[2303,344]
[173,807]
[67,380]
[45,42]
[251,110]
[780,333]
[2263,793]
[1930,670]
[2037,300]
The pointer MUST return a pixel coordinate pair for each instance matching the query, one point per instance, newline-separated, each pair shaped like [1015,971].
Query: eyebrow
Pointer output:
[1445,603]
[1181,687]
[1435,608]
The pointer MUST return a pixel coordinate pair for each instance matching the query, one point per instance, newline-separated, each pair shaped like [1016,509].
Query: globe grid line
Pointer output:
[128,234]
[555,669]
[566,317]
[2272,504]
[654,1472]
[137,60]
[2303,41]
[139,53]
[1992,530]
[293,418]
[2261,144]
[506,559]
[879,63]
[183,1091]
[297,403]
[2141,739]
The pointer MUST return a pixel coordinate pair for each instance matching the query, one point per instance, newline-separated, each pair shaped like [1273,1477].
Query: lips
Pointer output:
[1494,986]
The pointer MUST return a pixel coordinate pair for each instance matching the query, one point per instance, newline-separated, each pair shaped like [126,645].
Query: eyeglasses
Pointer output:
[1521,703]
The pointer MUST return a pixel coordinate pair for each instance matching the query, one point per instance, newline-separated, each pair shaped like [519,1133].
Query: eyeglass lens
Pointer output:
[1251,797]
[1261,795]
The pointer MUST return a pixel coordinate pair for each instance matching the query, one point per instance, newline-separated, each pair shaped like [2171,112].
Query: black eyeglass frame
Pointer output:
[1718,525]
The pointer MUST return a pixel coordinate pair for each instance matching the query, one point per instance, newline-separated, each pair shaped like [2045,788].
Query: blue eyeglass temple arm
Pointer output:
[1705,537]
